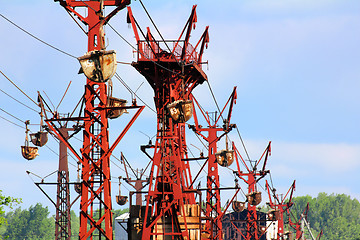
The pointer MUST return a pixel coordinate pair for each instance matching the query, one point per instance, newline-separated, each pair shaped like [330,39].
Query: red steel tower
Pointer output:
[213,212]
[95,205]
[298,226]
[251,177]
[279,207]
[173,72]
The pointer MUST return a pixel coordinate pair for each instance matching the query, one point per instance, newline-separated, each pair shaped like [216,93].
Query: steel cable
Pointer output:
[22,29]
[18,87]
[18,101]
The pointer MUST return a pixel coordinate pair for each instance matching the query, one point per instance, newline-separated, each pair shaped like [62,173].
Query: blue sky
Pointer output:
[296,65]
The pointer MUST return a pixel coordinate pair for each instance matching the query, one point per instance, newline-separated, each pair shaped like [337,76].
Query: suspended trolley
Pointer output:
[121,200]
[98,65]
[27,151]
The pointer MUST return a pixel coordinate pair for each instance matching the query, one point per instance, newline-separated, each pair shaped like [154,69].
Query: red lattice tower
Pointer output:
[251,177]
[297,226]
[95,212]
[172,73]
[279,207]
[213,213]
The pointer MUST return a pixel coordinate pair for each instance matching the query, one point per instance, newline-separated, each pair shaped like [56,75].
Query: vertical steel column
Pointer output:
[95,204]
[62,223]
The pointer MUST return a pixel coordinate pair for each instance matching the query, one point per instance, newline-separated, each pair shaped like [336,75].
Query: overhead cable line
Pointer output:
[131,91]
[18,87]
[57,49]
[12,122]
[213,96]
[18,101]
[11,115]
[63,96]
[242,142]
[147,13]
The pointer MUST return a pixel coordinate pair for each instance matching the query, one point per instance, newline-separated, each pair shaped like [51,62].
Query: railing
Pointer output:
[158,50]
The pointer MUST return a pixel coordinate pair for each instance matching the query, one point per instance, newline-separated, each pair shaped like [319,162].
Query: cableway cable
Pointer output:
[11,115]
[131,91]
[18,101]
[147,13]
[213,96]
[243,144]
[12,122]
[18,87]
[22,29]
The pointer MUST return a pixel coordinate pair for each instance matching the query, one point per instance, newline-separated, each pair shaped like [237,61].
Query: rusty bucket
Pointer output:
[238,206]
[273,215]
[29,153]
[121,200]
[254,198]
[115,103]
[77,187]
[98,66]
[225,157]
[181,111]
[39,139]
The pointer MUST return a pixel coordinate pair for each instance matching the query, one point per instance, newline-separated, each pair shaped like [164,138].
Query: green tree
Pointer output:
[338,215]
[6,201]
[30,224]
[75,225]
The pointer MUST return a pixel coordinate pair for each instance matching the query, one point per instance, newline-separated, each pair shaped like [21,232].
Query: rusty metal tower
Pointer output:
[98,66]
[213,212]
[279,206]
[173,71]
[251,177]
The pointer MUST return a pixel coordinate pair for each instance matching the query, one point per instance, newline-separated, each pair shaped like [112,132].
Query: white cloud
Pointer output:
[331,157]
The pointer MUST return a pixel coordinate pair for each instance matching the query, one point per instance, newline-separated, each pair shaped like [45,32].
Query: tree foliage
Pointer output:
[6,201]
[30,224]
[337,215]
[75,225]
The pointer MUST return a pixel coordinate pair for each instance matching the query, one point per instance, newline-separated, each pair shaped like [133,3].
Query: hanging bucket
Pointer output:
[115,102]
[180,110]
[77,187]
[273,215]
[238,206]
[254,198]
[39,139]
[121,200]
[29,153]
[288,235]
[98,66]
[225,157]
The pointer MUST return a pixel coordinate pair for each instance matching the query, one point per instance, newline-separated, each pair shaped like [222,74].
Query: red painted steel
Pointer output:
[299,231]
[173,72]
[251,177]
[213,213]
[95,212]
[63,223]
[281,206]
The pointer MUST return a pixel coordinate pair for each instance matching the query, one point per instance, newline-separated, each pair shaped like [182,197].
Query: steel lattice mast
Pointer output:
[213,226]
[63,224]
[95,212]
[251,177]
[171,211]
[279,207]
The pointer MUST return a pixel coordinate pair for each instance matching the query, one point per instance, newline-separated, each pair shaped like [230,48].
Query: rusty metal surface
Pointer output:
[39,139]
[98,65]
[29,152]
